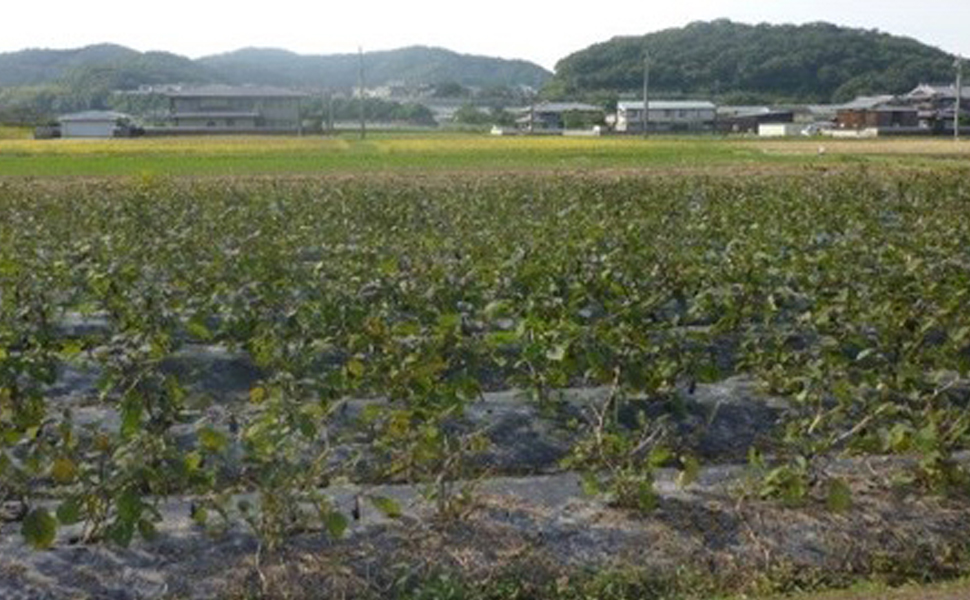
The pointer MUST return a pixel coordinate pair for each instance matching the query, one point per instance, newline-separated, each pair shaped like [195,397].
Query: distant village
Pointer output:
[220,109]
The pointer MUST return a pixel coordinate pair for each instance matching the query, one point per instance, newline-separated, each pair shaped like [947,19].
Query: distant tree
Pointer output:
[469,114]
[576,119]
[451,89]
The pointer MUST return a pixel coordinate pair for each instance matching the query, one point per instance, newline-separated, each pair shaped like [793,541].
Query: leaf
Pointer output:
[688,474]
[69,511]
[196,328]
[388,506]
[212,440]
[448,322]
[497,309]
[502,338]
[336,524]
[69,349]
[590,484]
[131,412]
[755,459]
[193,462]
[63,470]
[39,529]
[647,499]
[659,456]
[147,529]
[257,395]
[557,353]
[355,368]
[199,515]
[839,497]
[129,506]
[121,532]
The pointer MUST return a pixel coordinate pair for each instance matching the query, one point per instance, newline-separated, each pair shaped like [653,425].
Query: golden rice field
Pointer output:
[268,155]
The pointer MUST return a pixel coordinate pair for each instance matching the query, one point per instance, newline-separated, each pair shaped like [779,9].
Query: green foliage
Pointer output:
[375,110]
[817,62]
[846,295]
[39,528]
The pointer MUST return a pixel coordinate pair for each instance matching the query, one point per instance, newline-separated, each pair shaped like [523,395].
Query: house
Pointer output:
[936,104]
[748,119]
[96,124]
[937,94]
[666,116]
[234,109]
[876,112]
[558,115]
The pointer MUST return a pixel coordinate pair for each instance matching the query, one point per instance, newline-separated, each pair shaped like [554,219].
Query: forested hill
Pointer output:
[737,63]
[36,85]
[122,68]
[101,64]
[412,65]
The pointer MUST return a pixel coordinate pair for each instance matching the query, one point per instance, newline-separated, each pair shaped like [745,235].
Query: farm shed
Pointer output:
[746,119]
[780,129]
[95,124]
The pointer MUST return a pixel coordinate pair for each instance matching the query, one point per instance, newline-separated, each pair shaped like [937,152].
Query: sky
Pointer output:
[539,31]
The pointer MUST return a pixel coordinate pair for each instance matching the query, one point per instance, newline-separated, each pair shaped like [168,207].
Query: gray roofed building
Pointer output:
[95,124]
[930,91]
[666,115]
[233,109]
[231,91]
[869,102]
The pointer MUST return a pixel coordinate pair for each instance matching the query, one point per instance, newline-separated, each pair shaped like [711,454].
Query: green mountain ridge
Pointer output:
[37,84]
[410,65]
[738,63]
[129,68]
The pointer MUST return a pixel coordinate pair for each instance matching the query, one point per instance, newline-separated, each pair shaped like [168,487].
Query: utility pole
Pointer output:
[532,112]
[958,64]
[360,88]
[646,94]
[329,111]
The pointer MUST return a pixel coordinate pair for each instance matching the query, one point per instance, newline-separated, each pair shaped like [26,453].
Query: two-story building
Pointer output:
[223,108]
[666,116]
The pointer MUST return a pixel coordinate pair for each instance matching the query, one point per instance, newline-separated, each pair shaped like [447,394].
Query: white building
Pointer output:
[94,124]
[667,115]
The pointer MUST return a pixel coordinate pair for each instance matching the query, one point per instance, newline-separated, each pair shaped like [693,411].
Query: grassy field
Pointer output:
[449,152]
[954,590]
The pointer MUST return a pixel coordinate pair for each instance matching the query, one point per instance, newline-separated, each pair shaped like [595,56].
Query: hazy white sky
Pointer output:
[542,32]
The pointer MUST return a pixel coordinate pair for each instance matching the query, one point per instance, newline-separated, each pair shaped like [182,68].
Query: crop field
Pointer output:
[371,327]
[247,156]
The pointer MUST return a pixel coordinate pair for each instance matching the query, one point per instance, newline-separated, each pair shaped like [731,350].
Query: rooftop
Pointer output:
[558,107]
[868,102]
[229,91]
[93,115]
[667,105]
[945,90]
